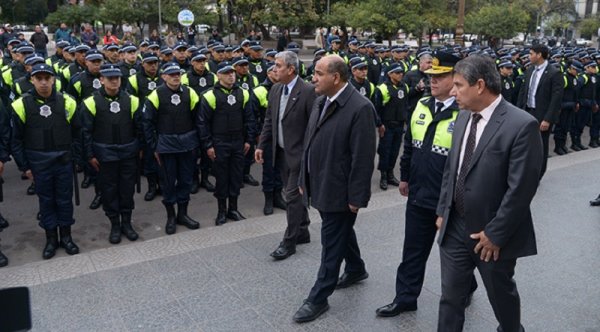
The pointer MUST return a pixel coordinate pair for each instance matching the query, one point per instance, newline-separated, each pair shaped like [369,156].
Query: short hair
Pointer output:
[426,56]
[541,48]
[476,67]
[338,65]
[290,59]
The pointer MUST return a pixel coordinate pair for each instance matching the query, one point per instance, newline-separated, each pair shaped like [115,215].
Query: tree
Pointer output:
[28,12]
[496,21]
[589,27]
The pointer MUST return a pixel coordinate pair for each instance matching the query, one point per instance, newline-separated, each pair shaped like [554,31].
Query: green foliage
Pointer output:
[589,26]
[28,12]
[496,21]
[73,15]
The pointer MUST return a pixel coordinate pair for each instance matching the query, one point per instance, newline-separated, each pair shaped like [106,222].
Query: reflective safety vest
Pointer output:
[229,112]
[113,120]
[420,121]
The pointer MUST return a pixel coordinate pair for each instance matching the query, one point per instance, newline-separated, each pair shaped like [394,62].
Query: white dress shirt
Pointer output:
[533,85]
[282,105]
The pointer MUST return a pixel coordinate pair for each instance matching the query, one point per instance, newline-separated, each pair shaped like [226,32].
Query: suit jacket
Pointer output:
[339,150]
[294,122]
[501,180]
[549,94]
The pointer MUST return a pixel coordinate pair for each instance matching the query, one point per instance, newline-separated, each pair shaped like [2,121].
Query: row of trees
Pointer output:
[491,18]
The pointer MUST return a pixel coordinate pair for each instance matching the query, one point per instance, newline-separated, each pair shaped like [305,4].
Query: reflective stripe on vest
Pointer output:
[420,121]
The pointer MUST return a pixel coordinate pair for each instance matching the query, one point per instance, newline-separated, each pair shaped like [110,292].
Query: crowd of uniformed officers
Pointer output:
[177,115]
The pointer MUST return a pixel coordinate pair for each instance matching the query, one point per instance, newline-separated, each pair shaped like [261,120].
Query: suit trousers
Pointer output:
[271,174]
[54,188]
[339,243]
[176,176]
[545,146]
[457,264]
[116,180]
[296,212]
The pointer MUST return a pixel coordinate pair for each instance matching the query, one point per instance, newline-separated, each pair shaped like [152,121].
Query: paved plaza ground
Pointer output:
[222,278]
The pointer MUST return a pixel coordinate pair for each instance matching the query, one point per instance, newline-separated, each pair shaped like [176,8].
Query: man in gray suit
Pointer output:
[289,106]
[490,178]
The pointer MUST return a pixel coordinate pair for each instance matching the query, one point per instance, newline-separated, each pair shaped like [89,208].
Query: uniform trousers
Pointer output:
[117,182]
[228,166]
[389,147]
[176,176]
[54,188]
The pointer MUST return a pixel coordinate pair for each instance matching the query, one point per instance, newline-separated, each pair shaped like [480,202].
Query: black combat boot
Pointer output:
[184,219]
[195,183]
[87,181]
[268,208]
[171,222]
[152,187]
[593,143]
[3,222]
[222,214]
[67,242]
[127,228]
[31,189]
[250,180]
[51,243]
[278,200]
[205,183]
[383,181]
[3,260]
[97,201]
[579,145]
[115,230]
[232,212]
[391,179]
[559,148]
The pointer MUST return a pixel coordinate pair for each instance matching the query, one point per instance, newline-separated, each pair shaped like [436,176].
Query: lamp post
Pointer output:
[159,18]
[460,24]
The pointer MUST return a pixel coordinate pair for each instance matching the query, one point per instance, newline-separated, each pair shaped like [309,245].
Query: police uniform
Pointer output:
[271,175]
[227,123]
[508,86]
[185,65]
[111,128]
[13,72]
[258,66]
[587,102]
[128,69]
[4,158]
[339,52]
[23,84]
[374,65]
[392,107]
[200,83]
[569,104]
[141,85]
[170,129]
[41,142]
[74,68]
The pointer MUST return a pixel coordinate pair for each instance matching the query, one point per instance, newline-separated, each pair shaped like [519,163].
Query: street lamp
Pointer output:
[460,24]
[159,18]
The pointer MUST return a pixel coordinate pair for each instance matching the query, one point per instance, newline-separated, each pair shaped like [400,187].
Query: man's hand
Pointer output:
[29,175]
[544,126]
[258,156]
[157,157]
[95,164]
[353,208]
[403,188]
[246,148]
[438,222]
[381,130]
[301,191]
[211,154]
[487,248]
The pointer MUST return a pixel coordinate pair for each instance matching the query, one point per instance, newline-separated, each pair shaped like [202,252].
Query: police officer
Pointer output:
[77,66]
[336,48]
[257,65]
[373,62]
[201,80]
[417,80]
[180,56]
[426,145]
[170,129]
[271,176]
[392,106]
[111,53]
[294,47]
[4,157]
[588,105]
[217,56]
[569,105]
[595,124]
[41,145]
[359,69]
[165,54]
[14,71]
[129,63]
[23,84]
[82,85]
[508,86]
[57,58]
[111,126]
[227,130]
[141,85]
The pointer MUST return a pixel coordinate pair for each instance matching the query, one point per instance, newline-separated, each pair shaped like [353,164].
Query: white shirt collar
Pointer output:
[447,103]
[487,112]
[338,93]
[543,66]
[291,85]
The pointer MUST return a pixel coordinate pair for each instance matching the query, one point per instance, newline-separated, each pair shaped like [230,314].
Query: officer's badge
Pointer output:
[132,71]
[435,62]
[45,111]
[575,82]
[115,107]
[175,100]
[258,68]
[245,86]
[374,62]
[400,94]
[362,91]
[202,82]
[507,86]
[451,127]
[96,83]
[231,100]
[421,116]
[151,86]
[593,79]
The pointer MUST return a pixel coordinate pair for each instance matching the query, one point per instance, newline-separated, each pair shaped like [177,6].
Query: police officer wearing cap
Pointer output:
[77,66]
[426,146]
[391,103]
[417,80]
[336,48]
[595,124]
[568,107]
[165,54]
[201,80]
[227,130]
[505,67]
[588,105]
[14,71]
[317,55]
[41,145]
[111,128]
[374,70]
[171,132]
[257,65]
[271,176]
[129,63]
[58,56]
[111,53]
[217,56]
[141,85]
[358,68]
[4,158]
[180,56]
[82,85]
[23,84]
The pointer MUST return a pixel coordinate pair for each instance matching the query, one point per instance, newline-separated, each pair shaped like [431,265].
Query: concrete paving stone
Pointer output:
[113,257]
[19,276]
[266,289]
[65,267]
[247,320]
[178,264]
[163,246]
[327,322]
[279,313]
[190,283]
[232,263]
[214,302]
[169,316]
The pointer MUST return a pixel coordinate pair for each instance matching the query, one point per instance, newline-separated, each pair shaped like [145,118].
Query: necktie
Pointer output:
[286,91]
[324,110]
[438,107]
[459,192]
[532,88]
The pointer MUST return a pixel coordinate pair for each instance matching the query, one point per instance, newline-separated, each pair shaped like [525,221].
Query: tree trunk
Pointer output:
[266,34]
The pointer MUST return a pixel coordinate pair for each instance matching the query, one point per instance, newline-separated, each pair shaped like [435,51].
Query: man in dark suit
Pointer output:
[541,94]
[288,111]
[489,180]
[335,177]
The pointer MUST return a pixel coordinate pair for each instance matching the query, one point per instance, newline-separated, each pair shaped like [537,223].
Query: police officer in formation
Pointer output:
[4,158]
[569,107]
[112,128]
[170,121]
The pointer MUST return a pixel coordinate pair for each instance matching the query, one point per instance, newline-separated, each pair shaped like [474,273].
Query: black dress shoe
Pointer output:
[559,151]
[593,144]
[282,252]
[249,180]
[394,309]
[349,279]
[575,147]
[87,181]
[310,311]
[595,202]
[564,149]
[31,189]
[391,179]
[96,202]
